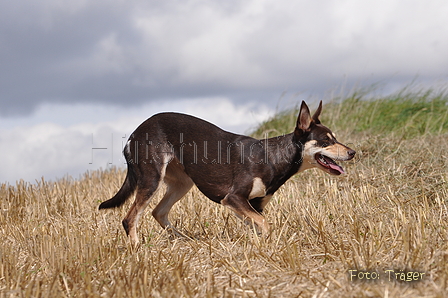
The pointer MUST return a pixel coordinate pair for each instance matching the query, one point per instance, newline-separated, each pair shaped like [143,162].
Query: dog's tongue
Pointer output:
[337,168]
[334,166]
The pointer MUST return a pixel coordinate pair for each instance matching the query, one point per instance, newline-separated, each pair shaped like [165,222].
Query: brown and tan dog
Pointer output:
[239,172]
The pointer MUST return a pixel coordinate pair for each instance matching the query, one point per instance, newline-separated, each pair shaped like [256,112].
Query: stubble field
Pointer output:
[386,220]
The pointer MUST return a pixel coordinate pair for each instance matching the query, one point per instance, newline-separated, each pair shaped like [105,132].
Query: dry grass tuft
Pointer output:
[389,212]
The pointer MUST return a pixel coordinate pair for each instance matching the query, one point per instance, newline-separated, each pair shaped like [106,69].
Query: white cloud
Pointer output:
[41,150]
[387,37]
[199,57]
[133,51]
[267,43]
[59,139]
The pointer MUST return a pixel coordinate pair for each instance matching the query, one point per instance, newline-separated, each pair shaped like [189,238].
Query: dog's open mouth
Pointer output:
[329,164]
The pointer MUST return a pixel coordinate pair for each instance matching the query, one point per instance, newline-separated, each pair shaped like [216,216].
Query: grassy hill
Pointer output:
[390,212]
[406,114]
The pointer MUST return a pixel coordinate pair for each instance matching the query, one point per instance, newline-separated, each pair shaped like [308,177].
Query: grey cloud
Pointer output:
[36,40]
[129,52]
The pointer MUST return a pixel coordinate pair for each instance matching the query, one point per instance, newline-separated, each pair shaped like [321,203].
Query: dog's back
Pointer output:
[210,156]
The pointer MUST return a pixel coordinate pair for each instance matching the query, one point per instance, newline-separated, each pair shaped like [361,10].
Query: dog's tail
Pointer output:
[128,187]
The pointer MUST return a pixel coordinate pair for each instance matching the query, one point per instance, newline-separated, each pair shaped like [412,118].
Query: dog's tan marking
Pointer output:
[309,151]
[265,201]
[140,204]
[128,147]
[336,152]
[258,189]
[330,136]
[245,211]
[178,184]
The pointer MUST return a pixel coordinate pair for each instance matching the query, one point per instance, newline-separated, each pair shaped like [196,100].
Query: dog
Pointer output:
[237,171]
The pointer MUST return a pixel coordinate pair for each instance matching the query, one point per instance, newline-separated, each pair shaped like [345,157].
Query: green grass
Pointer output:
[405,114]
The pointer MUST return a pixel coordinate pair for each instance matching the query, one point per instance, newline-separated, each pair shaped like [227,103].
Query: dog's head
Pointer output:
[320,147]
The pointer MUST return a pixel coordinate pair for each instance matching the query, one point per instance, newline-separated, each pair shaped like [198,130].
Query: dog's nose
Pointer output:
[351,153]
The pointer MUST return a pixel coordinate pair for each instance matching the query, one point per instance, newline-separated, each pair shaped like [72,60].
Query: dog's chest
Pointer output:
[258,188]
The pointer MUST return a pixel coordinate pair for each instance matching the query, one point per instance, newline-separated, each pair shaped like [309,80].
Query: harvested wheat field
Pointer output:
[386,220]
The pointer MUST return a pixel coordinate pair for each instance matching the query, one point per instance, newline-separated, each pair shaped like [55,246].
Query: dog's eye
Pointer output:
[325,144]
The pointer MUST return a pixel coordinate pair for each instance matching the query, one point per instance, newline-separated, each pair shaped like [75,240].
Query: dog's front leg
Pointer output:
[245,211]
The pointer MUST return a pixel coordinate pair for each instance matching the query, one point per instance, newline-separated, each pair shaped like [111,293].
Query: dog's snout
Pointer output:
[351,153]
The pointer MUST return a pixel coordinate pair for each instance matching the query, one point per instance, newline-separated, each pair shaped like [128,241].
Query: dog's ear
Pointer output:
[317,113]
[304,119]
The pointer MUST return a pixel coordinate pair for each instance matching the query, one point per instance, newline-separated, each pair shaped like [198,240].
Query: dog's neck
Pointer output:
[284,156]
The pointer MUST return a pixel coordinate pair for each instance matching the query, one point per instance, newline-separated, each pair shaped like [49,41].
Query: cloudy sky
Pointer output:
[77,75]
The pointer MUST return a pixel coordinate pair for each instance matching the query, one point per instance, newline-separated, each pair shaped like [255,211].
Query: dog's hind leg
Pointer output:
[130,222]
[244,210]
[146,188]
[178,183]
